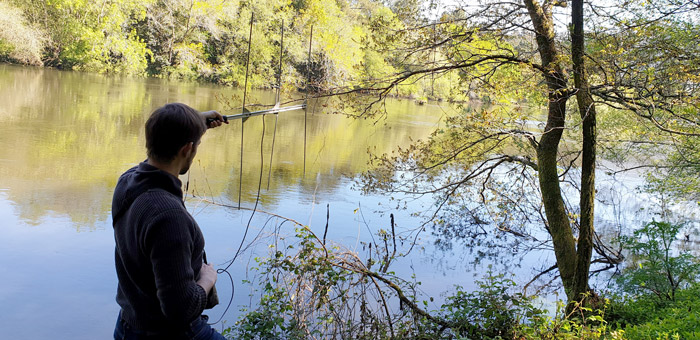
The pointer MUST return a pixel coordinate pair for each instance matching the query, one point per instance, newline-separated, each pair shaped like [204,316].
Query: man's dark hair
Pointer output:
[170,127]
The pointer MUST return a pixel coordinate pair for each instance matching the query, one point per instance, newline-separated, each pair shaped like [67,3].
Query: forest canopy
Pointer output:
[207,40]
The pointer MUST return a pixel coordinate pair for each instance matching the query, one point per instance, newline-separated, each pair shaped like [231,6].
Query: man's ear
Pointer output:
[186,150]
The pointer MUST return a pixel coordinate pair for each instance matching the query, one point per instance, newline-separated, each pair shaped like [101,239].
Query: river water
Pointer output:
[67,136]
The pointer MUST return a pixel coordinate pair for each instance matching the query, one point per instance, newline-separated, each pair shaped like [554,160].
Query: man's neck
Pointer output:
[171,167]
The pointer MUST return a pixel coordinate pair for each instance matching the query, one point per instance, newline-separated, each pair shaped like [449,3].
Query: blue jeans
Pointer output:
[198,330]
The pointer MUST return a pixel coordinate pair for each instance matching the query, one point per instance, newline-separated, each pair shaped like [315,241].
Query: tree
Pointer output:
[503,48]
[19,41]
[650,68]
[89,36]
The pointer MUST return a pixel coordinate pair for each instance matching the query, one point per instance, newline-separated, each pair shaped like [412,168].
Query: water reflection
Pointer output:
[67,136]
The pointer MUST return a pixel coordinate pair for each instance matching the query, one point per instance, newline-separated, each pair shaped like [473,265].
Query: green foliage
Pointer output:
[309,289]
[659,286]
[208,40]
[90,36]
[675,323]
[356,45]
[269,319]
[489,312]
[646,317]
[581,323]
[657,267]
[302,293]
[634,310]
[5,49]
[679,177]
[651,58]
[19,40]
[662,293]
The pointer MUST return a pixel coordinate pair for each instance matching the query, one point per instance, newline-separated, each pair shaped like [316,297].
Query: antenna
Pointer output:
[277,108]
[245,91]
[243,116]
[308,89]
[277,102]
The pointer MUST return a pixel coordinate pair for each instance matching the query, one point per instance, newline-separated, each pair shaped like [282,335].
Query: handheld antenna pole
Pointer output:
[308,89]
[277,102]
[245,91]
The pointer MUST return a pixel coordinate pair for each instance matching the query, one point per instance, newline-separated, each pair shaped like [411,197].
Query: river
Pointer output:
[67,136]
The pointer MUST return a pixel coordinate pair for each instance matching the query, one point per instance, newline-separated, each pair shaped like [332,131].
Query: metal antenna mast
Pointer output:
[277,102]
[245,91]
[308,89]
[245,114]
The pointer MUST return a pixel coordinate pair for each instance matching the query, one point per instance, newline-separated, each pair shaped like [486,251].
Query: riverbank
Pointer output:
[315,290]
[319,45]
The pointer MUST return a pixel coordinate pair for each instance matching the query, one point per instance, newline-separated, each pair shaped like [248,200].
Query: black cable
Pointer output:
[245,234]
[262,161]
[233,292]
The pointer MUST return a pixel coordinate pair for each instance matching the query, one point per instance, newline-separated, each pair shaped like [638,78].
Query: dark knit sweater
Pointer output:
[158,252]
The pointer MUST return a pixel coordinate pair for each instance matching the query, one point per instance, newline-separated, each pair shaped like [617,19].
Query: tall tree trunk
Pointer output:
[558,223]
[586,108]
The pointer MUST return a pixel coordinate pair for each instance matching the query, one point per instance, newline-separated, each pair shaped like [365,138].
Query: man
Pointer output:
[163,280]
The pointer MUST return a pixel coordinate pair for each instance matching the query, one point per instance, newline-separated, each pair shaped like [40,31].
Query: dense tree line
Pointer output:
[208,40]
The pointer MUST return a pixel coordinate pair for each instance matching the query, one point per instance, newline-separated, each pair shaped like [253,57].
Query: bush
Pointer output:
[489,312]
[581,323]
[311,289]
[655,266]
[660,295]
[19,41]
[645,317]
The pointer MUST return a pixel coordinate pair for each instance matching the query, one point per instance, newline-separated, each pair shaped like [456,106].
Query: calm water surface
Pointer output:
[67,136]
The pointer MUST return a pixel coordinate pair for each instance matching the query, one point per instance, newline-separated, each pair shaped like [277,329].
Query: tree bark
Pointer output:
[587,110]
[558,223]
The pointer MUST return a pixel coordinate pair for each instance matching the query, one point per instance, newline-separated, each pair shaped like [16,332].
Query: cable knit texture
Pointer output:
[158,252]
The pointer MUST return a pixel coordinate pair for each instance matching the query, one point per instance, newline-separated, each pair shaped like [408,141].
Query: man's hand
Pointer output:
[214,119]
[207,277]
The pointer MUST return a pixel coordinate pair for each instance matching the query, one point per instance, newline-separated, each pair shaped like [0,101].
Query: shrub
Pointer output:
[489,312]
[19,41]
[658,266]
